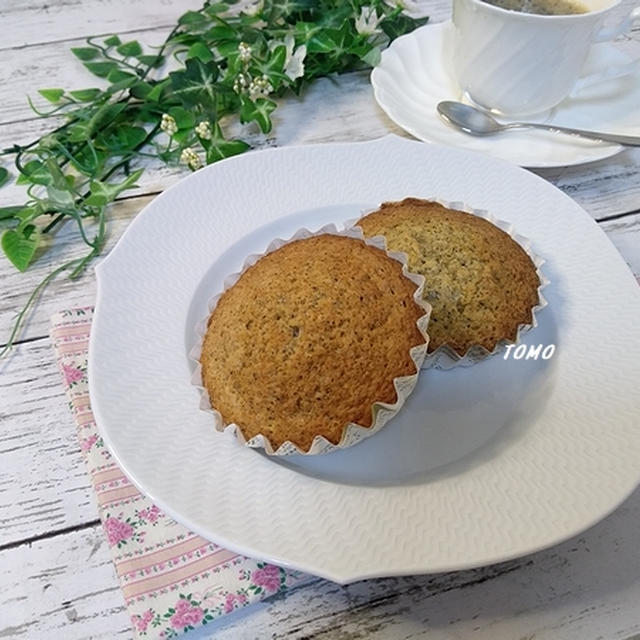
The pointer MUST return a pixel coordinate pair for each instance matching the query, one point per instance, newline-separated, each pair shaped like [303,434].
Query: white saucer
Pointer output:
[413,76]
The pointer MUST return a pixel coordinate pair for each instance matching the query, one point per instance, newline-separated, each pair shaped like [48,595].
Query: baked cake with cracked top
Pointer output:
[479,281]
[309,338]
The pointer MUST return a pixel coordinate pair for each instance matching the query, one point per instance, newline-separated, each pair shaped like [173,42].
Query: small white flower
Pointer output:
[203,130]
[190,158]
[241,82]
[294,61]
[367,22]
[244,52]
[168,124]
[260,88]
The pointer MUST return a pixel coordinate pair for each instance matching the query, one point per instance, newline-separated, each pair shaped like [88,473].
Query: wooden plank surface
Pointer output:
[44,485]
[625,235]
[583,589]
[34,22]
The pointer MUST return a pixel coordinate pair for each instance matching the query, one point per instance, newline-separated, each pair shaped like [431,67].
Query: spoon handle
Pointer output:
[630,141]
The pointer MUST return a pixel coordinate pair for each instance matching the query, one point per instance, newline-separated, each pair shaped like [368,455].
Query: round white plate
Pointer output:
[483,464]
[414,75]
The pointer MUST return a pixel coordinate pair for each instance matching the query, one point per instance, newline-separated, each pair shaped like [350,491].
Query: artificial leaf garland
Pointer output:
[232,62]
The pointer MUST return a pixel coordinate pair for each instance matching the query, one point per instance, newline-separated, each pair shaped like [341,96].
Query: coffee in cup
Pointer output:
[541,7]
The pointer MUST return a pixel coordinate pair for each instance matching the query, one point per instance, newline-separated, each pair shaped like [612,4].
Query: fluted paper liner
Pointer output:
[445,357]
[382,412]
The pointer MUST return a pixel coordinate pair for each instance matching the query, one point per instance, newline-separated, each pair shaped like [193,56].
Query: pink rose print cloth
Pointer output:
[173,581]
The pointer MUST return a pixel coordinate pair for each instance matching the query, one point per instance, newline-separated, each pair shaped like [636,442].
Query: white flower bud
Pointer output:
[168,124]
[260,87]
[203,130]
[190,158]
[244,52]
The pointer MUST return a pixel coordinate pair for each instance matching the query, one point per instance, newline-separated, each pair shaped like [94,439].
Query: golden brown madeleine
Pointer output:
[309,338]
[479,281]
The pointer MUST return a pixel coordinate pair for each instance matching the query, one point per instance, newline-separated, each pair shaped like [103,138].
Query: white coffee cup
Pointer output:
[517,63]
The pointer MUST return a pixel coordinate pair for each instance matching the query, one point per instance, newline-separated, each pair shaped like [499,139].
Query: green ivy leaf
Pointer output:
[192,19]
[275,63]
[196,84]
[201,51]
[10,212]
[85,53]
[372,57]
[60,200]
[28,214]
[104,192]
[184,119]
[124,138]
[221,32]
[183,137]
[106,115]
[125,83]
[20,246]
[217,7]
[52,95]
[228,48]
[79,132]
[112,41]
[140,90]
[85,95]
[117,76]
[400,24]
[58,178]
[304,31]
[217,148]
[35,172]
[321,42]
[342,40]
[153,61]
[87,160]
[258,111]
[4,175]
[129,49]
[101,69]
[156,92]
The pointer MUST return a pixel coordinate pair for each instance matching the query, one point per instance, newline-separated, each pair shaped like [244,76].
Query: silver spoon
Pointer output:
[480,123]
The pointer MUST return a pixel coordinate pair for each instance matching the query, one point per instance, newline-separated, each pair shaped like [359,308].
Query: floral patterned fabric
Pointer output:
[173,581]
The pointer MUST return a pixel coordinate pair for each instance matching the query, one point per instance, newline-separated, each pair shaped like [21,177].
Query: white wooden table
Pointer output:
[56,577]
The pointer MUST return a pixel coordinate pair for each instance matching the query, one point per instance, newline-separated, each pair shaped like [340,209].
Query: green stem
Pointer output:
[109,57]
[54,222]
[83,263]
[32,298]
[20,148]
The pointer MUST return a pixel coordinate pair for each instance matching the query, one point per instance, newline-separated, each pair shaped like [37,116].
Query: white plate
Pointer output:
[483,464]
[414,75]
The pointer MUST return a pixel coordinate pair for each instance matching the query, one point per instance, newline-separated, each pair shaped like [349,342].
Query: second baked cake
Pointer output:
[481,284]
[309,338]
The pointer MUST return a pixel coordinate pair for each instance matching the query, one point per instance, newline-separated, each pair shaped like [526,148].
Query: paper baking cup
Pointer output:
[382,411]
[444,357]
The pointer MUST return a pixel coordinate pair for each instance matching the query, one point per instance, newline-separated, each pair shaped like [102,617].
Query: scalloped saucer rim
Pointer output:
[414,75]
